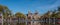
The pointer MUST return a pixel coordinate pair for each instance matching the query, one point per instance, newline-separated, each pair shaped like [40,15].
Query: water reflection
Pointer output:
[32,22]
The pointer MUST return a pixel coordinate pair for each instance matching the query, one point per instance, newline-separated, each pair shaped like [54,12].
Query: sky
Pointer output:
[23,6]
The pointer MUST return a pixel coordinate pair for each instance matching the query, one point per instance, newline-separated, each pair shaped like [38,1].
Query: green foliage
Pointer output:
[1,8]
[20,15]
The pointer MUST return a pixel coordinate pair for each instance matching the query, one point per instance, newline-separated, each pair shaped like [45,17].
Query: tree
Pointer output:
[59,8]
[20,16]
[5,11]
[47,15]
[58,13]
[54,14]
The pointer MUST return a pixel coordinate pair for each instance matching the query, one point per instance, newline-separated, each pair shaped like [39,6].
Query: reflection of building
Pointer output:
[32,17]
[17,21]
[14,20]
[1,19]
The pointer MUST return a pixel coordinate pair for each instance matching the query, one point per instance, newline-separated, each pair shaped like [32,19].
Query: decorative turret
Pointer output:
[36,12]
[29,12]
